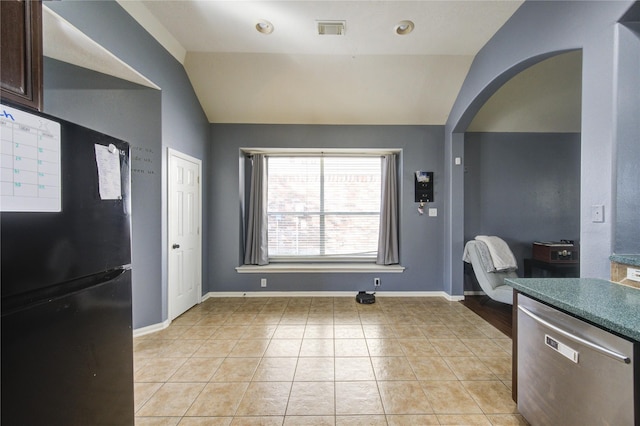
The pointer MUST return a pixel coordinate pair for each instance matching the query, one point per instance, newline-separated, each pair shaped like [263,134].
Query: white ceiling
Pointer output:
[368,76]
[442,27]
[294,76]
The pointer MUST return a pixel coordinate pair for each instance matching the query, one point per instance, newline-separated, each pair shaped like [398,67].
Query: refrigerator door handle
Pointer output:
[596,347]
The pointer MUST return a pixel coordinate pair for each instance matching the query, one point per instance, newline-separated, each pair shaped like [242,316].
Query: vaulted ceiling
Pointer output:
[368,75]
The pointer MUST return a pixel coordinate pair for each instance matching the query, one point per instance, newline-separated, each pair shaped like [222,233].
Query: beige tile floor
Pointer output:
[325,361]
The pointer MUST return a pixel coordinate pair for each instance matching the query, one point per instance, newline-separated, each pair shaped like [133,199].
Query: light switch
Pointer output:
[433,212]
[458,161]
[597,213]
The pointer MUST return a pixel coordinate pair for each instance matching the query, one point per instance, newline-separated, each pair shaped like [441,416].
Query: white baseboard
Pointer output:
[151,328]
[330,294]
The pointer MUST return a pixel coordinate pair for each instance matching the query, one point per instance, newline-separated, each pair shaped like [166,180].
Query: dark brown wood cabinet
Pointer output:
[21,52]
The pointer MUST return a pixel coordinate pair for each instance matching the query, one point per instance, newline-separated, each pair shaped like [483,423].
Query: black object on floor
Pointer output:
[365,298]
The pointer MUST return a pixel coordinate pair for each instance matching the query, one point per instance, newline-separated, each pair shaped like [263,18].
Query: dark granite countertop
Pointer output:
[612,306]
[627,259]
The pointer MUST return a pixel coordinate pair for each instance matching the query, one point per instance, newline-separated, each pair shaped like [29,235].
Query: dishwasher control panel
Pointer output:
[633,274]
[561,348]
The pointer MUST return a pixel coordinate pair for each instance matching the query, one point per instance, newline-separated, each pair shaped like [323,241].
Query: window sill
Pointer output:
[295,268]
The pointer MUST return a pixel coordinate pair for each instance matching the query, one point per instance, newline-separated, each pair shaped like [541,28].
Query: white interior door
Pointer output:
[185,241]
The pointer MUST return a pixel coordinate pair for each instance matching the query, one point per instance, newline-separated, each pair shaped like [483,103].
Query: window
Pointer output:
[323,207]
[311,206]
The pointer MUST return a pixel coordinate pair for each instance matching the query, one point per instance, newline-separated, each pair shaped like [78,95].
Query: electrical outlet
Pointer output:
[263,282]
[376,282]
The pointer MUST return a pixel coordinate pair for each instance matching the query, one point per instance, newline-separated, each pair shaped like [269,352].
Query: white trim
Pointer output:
[451,298]
[214,294]
[65,42]
[184,156]
[170,154]
[151,328]
[296,268]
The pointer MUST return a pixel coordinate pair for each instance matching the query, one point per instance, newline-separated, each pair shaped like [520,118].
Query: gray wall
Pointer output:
[421,237]
[132,113]
[522,187]
[627,232]
[536,31]
[180,124]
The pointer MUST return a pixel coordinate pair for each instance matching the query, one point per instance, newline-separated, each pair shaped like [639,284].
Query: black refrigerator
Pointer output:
[67,344]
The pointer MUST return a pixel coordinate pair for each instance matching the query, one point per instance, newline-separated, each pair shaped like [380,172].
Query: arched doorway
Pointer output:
[454,231]
[522,160]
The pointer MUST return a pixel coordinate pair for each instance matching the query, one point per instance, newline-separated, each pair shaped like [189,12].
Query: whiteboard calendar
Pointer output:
[30,165]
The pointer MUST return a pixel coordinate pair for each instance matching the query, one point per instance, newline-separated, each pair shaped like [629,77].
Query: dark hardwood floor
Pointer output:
[495,313]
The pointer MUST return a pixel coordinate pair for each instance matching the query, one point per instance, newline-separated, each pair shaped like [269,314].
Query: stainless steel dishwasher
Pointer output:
[571,372]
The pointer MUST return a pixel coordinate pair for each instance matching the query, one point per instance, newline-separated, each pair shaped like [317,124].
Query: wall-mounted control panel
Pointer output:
[423,187]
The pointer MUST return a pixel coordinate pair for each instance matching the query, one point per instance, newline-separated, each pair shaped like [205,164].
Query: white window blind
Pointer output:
[323,207]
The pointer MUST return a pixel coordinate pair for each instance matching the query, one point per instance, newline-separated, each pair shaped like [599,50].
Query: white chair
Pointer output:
[491,280]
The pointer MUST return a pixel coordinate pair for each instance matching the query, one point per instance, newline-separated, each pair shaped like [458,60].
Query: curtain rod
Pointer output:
[321,154]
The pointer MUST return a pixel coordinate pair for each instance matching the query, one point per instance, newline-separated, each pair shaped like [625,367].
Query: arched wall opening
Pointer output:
[536,31]
[522,162]
[455,233]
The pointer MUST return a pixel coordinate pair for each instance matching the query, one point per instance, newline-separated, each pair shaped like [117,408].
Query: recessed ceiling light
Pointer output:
[404,27]
[264,27]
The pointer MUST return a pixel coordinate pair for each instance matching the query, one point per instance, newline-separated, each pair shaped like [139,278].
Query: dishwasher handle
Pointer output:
[592,345]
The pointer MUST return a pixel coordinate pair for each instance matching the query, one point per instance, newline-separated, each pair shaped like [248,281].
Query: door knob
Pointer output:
[175,246]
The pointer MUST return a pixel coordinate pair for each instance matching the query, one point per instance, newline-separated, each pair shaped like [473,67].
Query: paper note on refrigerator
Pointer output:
[108,161]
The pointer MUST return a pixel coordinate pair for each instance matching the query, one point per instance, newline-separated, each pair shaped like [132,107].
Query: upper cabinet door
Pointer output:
[21,52]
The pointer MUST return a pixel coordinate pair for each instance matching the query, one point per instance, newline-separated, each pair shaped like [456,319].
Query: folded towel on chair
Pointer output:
[501,255]
[483,253]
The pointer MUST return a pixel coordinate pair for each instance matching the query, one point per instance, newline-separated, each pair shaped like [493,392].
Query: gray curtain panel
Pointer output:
[256,246]
[388,237]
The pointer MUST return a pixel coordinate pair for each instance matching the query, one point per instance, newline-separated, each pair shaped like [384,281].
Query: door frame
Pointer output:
[172,153]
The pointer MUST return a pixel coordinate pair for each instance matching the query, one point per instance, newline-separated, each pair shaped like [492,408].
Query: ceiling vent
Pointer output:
[331,27]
